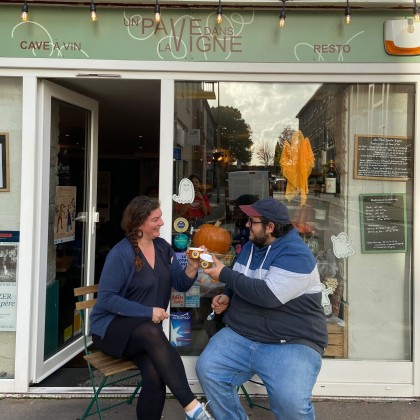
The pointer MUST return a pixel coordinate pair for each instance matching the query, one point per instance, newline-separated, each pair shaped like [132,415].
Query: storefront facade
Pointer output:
[125,106]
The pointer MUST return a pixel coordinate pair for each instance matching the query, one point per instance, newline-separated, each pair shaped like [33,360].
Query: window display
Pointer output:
[340,157]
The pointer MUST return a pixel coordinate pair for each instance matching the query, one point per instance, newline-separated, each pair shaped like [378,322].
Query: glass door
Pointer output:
[68,207]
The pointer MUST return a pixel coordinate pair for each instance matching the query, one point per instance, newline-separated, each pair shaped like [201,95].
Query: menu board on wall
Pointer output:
[383,157]
[383,223]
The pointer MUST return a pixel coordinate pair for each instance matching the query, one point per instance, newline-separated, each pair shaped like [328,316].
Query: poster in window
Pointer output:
[4,162]
[65,214]
[383,223]
[8,289]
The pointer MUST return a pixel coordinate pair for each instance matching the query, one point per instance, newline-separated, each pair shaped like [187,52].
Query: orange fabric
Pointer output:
[297,161]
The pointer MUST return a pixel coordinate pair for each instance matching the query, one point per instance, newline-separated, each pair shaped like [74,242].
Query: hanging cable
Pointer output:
[157,12]
[25,12]
[93,16]
[282,16]
[219,13]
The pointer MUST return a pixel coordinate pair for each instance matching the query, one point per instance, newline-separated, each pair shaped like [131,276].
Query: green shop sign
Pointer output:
[193,36]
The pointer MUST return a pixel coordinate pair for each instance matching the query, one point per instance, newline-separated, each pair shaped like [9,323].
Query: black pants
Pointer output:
[160,366]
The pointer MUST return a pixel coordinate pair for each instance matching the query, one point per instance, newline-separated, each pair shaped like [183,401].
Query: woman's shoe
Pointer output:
[201,414]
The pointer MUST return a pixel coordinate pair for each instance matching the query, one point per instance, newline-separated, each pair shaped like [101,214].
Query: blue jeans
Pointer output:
[289,372]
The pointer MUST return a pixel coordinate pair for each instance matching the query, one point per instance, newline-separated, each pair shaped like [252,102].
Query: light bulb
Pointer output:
[219,12]
[416,12]
[25,12]
[282,16]
[157,12]
[93,16]
[410,26]
[347,16]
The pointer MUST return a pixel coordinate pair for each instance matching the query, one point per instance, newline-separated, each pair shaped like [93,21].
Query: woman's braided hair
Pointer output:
[135,214]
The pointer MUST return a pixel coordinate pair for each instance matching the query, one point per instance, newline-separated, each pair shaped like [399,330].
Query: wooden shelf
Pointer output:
[337,338]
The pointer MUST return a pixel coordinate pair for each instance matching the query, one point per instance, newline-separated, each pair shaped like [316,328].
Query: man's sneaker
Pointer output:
[201,414]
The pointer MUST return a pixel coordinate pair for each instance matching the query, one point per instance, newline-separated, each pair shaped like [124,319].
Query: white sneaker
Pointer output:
[201,414]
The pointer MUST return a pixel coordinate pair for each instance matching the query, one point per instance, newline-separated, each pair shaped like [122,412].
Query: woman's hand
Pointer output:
[159,315]
[220,303]
[193,264]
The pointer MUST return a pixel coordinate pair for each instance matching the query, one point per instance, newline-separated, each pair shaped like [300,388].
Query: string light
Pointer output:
[347,14]
[410,25]
[219,13]
[282,17]
[157,12]
[416,12]
[25,12]
[93,16]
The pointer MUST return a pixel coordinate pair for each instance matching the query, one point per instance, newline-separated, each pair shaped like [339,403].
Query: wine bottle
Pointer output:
[331,179]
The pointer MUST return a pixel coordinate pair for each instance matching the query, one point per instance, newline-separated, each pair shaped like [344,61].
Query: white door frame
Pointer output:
[338,377]
[41,369]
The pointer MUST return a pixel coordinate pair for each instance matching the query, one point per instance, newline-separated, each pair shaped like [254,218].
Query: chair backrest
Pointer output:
[85,301]
[82,293]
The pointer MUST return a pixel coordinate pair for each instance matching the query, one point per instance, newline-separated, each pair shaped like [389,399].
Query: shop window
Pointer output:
[10,185]
[357,220]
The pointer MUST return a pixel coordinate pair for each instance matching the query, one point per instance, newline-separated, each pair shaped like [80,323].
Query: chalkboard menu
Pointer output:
[383,157]
[383,223]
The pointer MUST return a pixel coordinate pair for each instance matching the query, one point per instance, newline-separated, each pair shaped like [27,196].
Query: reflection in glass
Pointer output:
[67,223]
[234,136]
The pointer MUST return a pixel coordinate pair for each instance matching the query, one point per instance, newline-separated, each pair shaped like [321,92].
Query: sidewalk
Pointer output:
[66,408]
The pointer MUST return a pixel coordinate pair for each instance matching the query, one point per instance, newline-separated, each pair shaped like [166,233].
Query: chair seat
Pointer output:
[108,365]
[97,361]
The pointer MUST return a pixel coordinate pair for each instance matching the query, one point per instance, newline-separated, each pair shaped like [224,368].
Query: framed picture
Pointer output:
[4,162]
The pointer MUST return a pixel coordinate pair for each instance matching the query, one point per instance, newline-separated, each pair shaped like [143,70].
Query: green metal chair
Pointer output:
[109,367]
[251,402]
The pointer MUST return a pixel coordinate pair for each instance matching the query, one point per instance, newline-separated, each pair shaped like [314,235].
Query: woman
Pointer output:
[134,292]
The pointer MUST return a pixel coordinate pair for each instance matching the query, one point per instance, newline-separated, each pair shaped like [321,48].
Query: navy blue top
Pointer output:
[276,294]
[126,292]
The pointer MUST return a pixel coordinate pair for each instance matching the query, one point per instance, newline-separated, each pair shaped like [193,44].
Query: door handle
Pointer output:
[81,216]
[95,219]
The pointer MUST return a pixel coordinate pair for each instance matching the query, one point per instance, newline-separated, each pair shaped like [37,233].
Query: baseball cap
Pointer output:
[270,208]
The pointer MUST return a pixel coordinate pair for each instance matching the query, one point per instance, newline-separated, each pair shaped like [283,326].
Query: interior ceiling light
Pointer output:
[25,12]
[219,13]
[282,16]
[93,16]
[157,12]
[347,14]
[416,12]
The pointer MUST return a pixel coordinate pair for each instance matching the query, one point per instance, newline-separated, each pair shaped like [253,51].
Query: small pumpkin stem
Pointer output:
[218,223]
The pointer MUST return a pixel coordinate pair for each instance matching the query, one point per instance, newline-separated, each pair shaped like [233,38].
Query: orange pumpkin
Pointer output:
[216,239]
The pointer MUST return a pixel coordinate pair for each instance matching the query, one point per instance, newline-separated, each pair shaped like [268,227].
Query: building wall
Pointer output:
[11,123]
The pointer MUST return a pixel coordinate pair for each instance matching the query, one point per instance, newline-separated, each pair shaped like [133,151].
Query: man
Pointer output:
[275,324]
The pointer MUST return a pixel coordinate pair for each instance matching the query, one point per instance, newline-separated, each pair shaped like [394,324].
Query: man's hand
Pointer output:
[220,303]
[215,269]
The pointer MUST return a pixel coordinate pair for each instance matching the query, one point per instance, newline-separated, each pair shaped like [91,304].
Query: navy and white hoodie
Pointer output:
[275,296]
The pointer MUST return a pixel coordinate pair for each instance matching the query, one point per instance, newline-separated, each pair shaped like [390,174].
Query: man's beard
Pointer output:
[261,241]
